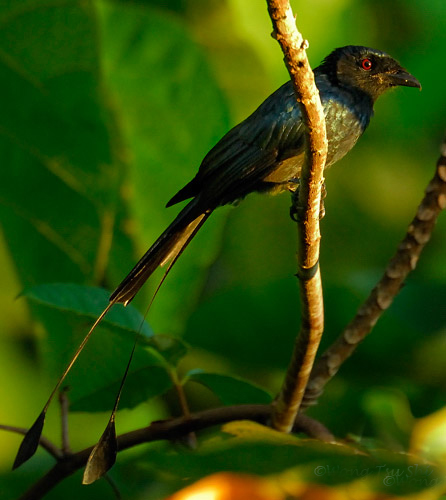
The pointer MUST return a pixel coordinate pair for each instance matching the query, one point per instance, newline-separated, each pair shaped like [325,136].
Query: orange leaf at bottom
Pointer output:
[228,486]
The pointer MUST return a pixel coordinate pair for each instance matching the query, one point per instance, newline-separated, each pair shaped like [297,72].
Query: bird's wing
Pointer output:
[249,152]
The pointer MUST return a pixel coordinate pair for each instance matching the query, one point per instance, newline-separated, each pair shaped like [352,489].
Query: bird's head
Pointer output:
[368,70]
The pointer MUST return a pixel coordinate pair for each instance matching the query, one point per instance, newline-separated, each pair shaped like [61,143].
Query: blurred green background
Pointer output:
[106,110]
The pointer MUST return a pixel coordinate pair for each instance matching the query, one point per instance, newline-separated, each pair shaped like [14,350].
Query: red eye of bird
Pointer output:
[366,64]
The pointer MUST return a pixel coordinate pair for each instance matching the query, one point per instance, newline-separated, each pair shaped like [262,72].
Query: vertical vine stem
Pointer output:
[288,401]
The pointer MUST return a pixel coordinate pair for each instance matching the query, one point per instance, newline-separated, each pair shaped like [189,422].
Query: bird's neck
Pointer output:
[359,96]
[328,73]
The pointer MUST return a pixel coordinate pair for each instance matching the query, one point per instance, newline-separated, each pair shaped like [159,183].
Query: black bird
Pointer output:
[265,152]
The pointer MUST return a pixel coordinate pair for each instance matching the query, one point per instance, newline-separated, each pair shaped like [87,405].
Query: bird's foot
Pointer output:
[322,210]
[322,204]
[293,185]
[296,210]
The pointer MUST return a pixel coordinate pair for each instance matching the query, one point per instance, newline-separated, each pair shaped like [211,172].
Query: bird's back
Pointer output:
[265,151]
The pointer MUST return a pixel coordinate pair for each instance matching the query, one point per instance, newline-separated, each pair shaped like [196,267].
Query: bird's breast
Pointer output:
[345,123]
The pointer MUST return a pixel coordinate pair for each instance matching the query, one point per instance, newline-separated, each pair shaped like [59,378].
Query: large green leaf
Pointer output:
[172,112]
[172,349]
[141,385]
[230,390]
[251,325]
[88,302]
[68,311]
[262,451]
[59,194]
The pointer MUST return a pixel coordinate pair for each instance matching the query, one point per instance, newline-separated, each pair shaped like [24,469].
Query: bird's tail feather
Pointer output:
[166,248]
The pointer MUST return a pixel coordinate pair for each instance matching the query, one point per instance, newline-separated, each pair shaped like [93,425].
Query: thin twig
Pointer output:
[44,442]
[64,408]
[179,389]
[293,46]
[403,262]
[169,430]
[191,438]
[113,486]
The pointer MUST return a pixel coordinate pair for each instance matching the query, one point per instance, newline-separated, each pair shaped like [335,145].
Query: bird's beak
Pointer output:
[403,78]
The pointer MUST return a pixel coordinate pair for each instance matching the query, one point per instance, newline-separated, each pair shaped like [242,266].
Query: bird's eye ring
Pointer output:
[366,64]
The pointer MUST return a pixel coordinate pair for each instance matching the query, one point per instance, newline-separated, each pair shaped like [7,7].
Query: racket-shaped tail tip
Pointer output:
[103,456]
[30,442]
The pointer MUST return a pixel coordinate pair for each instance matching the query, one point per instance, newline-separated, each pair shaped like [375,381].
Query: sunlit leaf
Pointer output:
[246,430]
[229,486]
[429,437]
[308,461]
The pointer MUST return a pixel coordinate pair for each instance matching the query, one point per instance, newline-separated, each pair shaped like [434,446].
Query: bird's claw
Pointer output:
[322,210]
[297,211]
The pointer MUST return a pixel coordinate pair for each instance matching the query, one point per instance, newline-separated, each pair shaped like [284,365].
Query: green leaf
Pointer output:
[141,385]
[67,310]
[59,196]
[257,456]
[172,349]
[172,110]
[390,414]
[88,302]
[243,319]
[310,460]
[230,390]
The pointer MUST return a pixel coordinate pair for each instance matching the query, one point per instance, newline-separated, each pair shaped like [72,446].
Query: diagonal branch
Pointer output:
[293,46]
[171,429]
[381,297]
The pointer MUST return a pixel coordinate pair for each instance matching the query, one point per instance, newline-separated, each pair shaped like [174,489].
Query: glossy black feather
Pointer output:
[265,152]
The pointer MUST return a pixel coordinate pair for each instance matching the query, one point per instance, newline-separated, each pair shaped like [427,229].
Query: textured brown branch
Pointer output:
[171,429]
[403,262]
[293,46]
